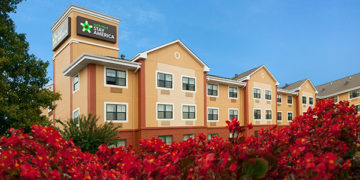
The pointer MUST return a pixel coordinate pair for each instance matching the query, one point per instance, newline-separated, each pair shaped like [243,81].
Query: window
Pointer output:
[304,99]
[164,80]
[311,100]
[188,84]
[76,83]
[290,116]
[188,136]
[233,92]
[213,114]
[188,112]
[256,133]
[354,94]
[268,115]
[121,143]
[257,114]
[279,116]
[357,107]
[116,112]
[212,135]
[164,111]
[278,98]
[167,139]
[336,99]
[267,94]
[257,93]
[289,99]
[76,114]
[115,77]
[212,89]
[233,113]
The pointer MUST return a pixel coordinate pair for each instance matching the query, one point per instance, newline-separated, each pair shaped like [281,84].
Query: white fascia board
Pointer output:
[86,59]
[226,81]
[83,11]
[287,91]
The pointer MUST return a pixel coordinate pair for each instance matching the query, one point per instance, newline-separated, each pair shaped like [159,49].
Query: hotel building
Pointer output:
[165,92]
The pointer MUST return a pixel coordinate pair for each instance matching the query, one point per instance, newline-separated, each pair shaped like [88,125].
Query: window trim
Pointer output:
[72,83]
[292,116]
[355,107]
[207,114]
[212,135]
[271,115]
[277,119]
[354,97]
[292,100]
[280,98]
[233,109]
[172,138]
[77,109]
[312,100]
[116,86]
[253,93]
[253,115]
[302,100]
[163,88]
[193,134]
[237,92]
[182,114]
[182,84]
[265,94]
[207,90]
[117,103]
[173,111]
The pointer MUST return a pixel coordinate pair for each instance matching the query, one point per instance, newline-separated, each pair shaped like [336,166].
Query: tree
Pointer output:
[22,77]
[87,133]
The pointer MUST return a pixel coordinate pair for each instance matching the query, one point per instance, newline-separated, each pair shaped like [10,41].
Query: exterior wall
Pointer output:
[346,96]
[163,60]
[80,97]
[224,103]
[263,80]
[127,95]
[284,107]
[306,90]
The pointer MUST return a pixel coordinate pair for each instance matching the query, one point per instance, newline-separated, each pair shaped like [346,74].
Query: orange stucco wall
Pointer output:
[284,108]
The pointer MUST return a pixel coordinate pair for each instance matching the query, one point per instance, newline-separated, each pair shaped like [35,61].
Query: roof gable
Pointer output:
[143,55]
[246,75]
[339,86]
[297,85]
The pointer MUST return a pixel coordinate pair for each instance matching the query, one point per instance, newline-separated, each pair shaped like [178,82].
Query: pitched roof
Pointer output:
[294,85]
[247,73]
[143,55]
[339,86]
[219,79]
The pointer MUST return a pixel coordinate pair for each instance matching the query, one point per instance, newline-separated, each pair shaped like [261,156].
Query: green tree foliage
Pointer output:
[22,77]
[88,133]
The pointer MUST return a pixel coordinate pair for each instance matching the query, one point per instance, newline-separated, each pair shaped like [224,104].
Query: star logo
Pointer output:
[86,26]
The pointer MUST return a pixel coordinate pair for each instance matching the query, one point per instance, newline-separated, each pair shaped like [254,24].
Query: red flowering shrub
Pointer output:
[317,145]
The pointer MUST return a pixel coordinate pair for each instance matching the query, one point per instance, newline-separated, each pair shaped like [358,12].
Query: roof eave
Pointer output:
[225,81]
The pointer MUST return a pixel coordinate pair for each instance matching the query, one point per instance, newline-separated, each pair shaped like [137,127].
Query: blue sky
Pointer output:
[294,39]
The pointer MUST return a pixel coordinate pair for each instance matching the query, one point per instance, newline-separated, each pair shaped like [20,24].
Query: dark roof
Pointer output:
[294,85]
[338,86]
[244,74]
[219,76]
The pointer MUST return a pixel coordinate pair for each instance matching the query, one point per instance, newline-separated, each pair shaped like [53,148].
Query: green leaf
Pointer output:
[255,168]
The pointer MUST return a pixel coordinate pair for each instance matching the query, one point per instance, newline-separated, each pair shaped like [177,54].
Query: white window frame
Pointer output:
[270,94]
[312,100]
[117,103]
[280,99]
[271,115]
[116,86]
[237,92]
[253,93]
[207,114]
[182,83]
[253,114]
[162,88]
[77,109]
[207,93]
[302,100]
[277,119]
[292,100]
[292,116]
[354,97]
[337,97]
[355,107]
[165,103]
[182,113]
[233,109]
[74,91]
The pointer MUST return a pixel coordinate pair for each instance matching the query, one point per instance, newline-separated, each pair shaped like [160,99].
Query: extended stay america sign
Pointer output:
[94,29]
